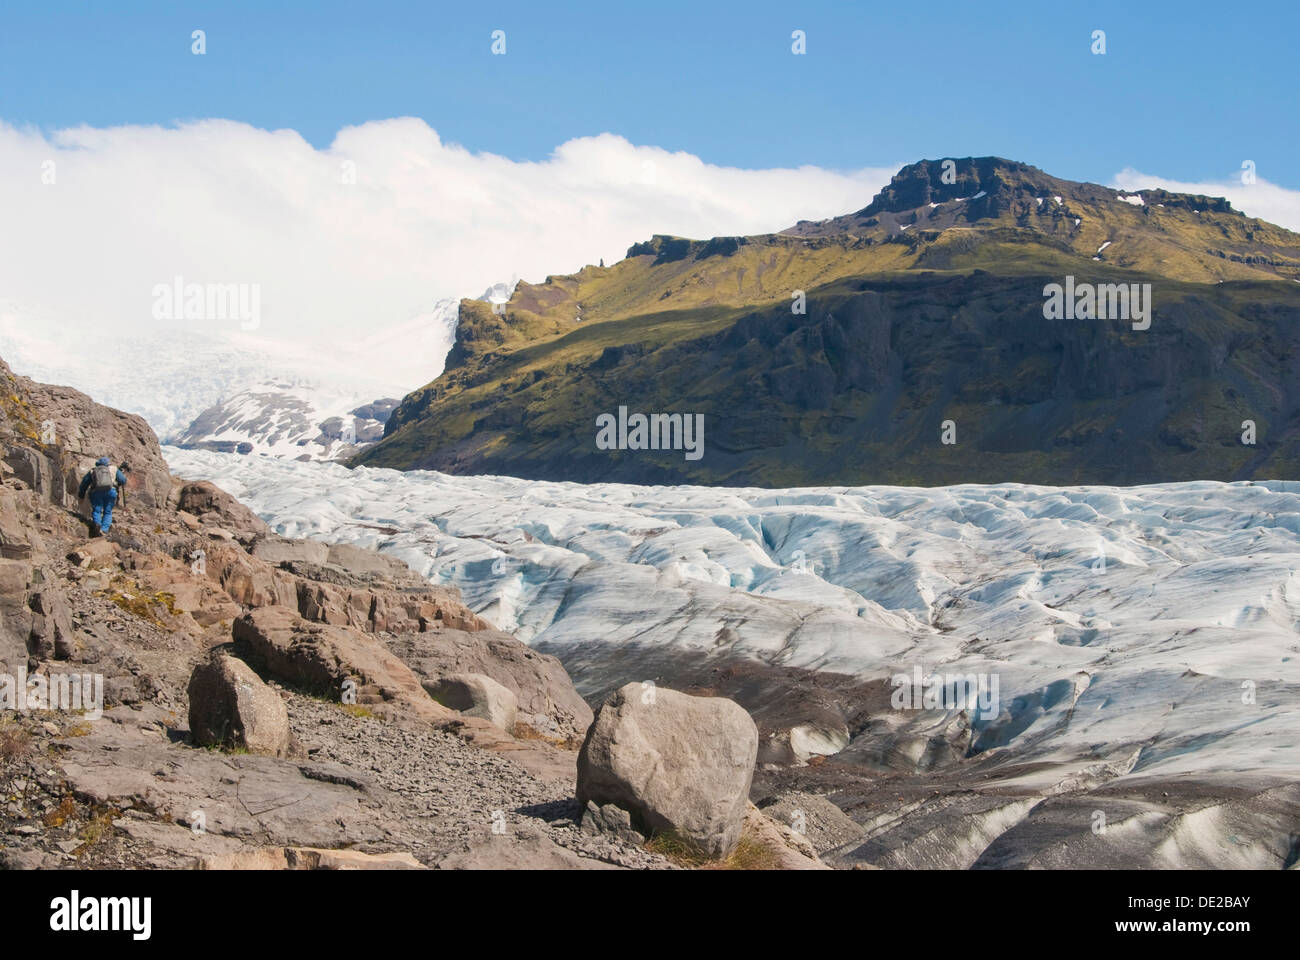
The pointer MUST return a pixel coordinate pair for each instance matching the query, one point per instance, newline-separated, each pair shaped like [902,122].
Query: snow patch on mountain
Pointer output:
[294,420]
[299,419]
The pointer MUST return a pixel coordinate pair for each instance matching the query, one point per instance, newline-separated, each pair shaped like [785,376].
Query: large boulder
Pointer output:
[475,695]
[230,706]
[322,658]
[678,764]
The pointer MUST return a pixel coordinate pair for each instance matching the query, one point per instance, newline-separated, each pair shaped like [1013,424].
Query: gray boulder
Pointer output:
[678,764]
[230,706]
[476,695]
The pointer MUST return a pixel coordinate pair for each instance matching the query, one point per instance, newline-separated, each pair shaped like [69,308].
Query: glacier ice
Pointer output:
[1140,629]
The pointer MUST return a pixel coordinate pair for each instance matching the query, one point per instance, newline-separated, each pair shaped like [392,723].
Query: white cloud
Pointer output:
[1261,199]
[222,202]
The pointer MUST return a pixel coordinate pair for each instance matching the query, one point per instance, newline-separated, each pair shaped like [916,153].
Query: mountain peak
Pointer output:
[941,181]
[989,188]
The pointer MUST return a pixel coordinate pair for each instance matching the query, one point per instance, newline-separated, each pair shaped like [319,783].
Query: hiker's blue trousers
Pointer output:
[101,508]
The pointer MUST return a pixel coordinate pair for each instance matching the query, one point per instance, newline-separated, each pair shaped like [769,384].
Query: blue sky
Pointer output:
[1185,90]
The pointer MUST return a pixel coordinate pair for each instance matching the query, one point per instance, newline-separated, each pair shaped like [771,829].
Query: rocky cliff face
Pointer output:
[835,353]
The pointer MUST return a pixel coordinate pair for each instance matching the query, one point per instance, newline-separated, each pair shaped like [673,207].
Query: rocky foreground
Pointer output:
[286,704]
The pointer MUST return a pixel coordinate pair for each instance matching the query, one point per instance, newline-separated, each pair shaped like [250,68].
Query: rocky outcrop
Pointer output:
[246,580]
[332,661]
[52,636]
[40,470]
[70,431]
[382,609]
[368,565]
[230,706]
[18,539]
[821,822]
[15,613]
[784,848]
[212,506]
[548,702]
[278,550]
[680,765]
[475,695]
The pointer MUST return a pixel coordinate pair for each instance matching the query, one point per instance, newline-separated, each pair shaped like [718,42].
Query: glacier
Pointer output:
[1144,630]
[191,368]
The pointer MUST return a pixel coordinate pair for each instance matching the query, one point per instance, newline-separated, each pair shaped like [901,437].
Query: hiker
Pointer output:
[102,481]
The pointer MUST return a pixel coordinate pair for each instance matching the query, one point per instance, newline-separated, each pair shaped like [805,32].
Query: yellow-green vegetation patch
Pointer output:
[61,814]
[128,596]
[98,827]
[750,853]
